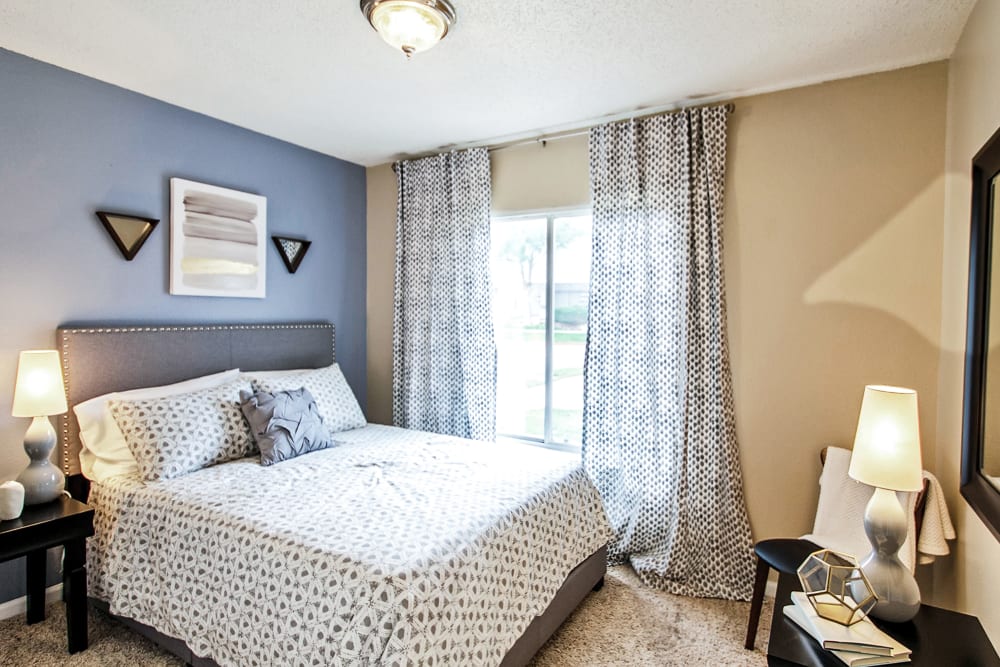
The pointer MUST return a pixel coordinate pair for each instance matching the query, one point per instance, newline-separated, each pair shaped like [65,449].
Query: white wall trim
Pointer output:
[19,606]
[557,211]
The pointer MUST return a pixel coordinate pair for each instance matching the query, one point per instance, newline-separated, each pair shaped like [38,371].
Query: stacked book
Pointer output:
[858,645]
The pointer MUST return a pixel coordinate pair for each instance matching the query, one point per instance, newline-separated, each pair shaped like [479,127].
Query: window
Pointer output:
[541,287]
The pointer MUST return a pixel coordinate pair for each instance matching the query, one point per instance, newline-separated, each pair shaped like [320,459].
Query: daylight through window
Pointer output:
[541,287]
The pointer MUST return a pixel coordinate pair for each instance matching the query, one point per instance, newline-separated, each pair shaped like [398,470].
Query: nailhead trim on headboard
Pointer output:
[64,344]
[64,419]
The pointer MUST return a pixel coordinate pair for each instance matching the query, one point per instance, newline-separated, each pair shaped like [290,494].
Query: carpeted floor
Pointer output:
[622,624]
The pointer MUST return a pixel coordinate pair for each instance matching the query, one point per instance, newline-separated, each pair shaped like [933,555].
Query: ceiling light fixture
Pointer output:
[411,26]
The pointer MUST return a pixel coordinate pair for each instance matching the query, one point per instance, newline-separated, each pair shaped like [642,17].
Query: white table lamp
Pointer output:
[38,393]
[887,456]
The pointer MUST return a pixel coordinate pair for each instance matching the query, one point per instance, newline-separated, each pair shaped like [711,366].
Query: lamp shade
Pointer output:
[39,390]
[887,445]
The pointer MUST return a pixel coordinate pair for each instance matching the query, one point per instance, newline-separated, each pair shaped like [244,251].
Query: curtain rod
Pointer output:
[498,145]
[555,136]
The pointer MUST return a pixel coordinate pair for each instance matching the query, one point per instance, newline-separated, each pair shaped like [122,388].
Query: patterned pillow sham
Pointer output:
[334,398]
[175,435]
[285,424]
[104,452]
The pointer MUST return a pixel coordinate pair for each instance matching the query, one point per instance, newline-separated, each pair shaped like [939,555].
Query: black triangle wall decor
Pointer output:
[291,251]
[129,232]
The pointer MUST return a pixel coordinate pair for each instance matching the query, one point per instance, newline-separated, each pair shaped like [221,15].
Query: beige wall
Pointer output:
[833,259]
[833,245]
[971,580]
[537,177]
[381,274]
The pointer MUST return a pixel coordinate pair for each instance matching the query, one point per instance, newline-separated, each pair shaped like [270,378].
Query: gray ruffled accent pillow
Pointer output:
[285,424]
[328,386]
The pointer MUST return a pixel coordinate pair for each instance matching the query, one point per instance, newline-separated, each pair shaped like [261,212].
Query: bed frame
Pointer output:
[101,358]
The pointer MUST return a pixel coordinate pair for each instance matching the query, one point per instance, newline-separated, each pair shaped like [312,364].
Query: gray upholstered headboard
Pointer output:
[98,359]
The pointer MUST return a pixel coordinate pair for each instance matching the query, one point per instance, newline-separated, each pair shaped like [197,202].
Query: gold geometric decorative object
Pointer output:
[128,232]
[836,586]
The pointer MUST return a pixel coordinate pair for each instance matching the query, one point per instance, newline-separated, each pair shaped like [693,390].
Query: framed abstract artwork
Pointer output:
[217,241]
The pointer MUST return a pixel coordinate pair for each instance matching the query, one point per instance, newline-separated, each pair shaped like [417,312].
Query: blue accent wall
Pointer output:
[71,145]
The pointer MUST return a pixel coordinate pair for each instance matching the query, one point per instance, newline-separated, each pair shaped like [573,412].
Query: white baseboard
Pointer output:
[19,606]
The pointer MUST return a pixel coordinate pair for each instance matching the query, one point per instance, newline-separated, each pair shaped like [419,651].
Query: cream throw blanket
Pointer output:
[840,515]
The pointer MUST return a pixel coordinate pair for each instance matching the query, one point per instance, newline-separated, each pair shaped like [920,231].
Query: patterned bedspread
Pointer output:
[393,548]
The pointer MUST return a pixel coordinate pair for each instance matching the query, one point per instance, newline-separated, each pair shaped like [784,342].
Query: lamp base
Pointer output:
[893,583]
[42,481]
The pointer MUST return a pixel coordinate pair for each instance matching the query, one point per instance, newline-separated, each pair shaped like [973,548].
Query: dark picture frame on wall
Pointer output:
[980,484]
[291,251]
[129,232]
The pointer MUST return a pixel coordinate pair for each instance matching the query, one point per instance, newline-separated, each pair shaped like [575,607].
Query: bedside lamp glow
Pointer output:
[38,393]
[887,456]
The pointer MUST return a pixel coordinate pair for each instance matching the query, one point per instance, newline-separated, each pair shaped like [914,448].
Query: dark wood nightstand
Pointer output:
[64,522]
[936,636]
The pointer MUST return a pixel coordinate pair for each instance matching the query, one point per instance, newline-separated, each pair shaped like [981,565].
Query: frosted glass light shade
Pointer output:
[39,390]
[411,26]
[887,444]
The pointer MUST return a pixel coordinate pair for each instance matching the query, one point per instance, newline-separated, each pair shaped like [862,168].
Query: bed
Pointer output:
[393,547]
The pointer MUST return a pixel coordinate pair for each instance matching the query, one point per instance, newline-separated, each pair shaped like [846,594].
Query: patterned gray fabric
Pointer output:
[334,399]
[400,548]
[175,435]
[284,424]
[659,431]
[444,354]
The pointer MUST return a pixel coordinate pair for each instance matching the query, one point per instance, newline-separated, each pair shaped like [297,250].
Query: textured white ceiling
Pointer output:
[314,73]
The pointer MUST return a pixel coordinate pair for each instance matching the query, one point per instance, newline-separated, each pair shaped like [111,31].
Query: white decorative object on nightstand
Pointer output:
[11,500]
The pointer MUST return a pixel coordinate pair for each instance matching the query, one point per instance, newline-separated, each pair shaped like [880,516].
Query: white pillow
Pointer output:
[103,452]
[336,402]
[270,375]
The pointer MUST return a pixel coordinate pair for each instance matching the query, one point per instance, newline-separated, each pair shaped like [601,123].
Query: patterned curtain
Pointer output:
[444,354]
[659,433]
